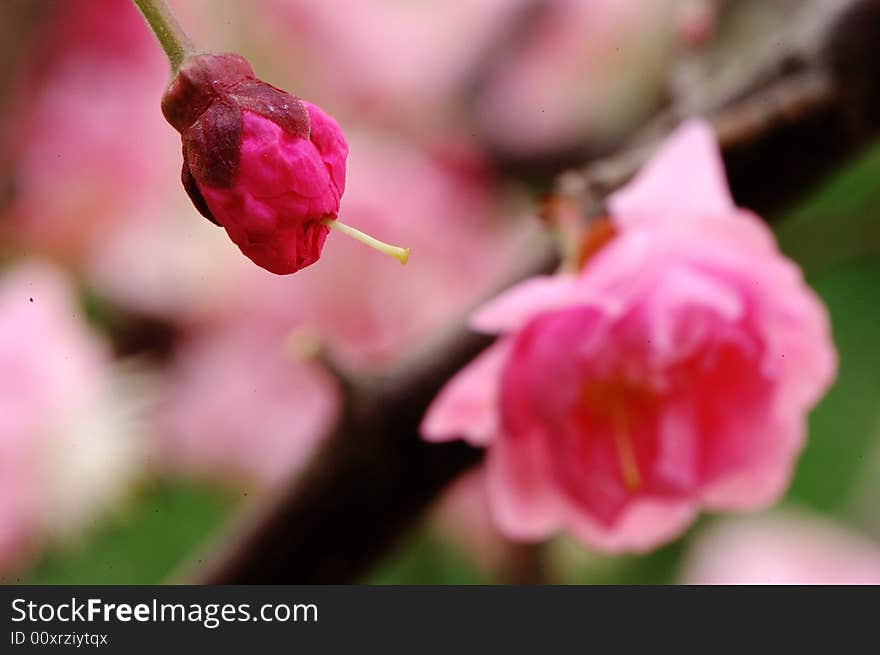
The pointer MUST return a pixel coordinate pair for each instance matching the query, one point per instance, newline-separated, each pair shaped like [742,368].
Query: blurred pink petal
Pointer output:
[176,267]
[18,532]
[657,193]
[466,407]
[787,548]
[511,309]
[67,446]
[388,61]
[524,502]
[239,406]
[50,360]
[642,526]
[80,167]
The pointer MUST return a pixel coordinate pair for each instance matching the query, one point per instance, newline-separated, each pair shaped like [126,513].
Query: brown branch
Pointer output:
[371,479]
[783,123]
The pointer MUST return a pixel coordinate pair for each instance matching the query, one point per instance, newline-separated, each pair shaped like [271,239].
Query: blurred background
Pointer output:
[151,385]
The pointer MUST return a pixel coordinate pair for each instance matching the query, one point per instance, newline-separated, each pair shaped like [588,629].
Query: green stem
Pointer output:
[168,30]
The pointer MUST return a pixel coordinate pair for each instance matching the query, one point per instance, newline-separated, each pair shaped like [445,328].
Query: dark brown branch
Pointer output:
[783,124]
[371,479]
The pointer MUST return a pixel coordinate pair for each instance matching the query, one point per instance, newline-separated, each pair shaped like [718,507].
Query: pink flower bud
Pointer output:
[265,165]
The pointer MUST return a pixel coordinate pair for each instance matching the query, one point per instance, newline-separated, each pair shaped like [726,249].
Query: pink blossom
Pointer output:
[177,269]
[66,448]
[789,548]
[78,164]
[674,373]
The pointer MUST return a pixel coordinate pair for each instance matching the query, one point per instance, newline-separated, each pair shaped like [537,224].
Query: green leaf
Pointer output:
[158,532]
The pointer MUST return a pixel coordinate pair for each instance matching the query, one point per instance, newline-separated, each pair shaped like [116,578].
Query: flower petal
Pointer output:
[683,181]
[511,309]
[467,407]
[524,503]
[759,480]
[646,524]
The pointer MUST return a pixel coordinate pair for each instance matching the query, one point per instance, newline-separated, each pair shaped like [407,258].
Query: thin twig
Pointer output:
[168,30]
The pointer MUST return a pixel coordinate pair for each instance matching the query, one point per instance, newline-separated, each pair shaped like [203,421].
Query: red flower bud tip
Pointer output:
[263,164]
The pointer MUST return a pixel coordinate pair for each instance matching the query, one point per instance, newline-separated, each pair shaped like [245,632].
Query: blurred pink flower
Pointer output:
[177,268]
[240,405]
[789,548]
[387,60]
[582,69]
[673,373]
[63,453]
[89,143]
